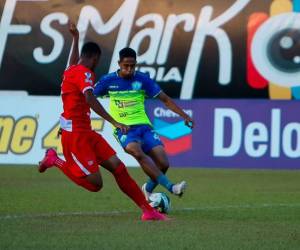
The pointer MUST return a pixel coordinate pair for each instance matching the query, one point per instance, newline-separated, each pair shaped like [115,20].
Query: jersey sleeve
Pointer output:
[101,88]
[85,80]
[152,89]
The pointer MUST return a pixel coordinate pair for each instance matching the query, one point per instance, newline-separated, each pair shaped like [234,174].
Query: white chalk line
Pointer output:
[121,212]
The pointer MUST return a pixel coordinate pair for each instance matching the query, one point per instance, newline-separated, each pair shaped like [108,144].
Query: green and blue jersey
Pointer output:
[127,96]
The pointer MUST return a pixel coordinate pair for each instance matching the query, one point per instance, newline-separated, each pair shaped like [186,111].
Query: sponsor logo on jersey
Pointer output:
[113,87]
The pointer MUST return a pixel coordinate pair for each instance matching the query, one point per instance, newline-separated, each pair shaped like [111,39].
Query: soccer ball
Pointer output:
[160,201]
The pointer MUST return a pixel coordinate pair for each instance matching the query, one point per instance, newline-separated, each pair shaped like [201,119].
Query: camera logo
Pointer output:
[273,50]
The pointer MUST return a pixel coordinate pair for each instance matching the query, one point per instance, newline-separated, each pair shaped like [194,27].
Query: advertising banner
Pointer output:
[231,133]
[228,133]
[193,48]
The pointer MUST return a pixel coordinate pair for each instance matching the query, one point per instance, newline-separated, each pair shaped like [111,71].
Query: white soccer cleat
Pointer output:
[146,193]
[179,188]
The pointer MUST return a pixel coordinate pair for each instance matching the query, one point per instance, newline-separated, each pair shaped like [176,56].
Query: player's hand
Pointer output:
[73,29]
[188,121]
[124,128]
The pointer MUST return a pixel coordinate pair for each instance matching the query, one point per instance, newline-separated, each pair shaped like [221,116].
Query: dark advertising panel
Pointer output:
[194,49]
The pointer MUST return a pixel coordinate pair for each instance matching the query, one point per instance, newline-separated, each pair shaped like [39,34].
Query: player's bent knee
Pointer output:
[164,166]
[136,154]
[97,188]
[93,182]
[94,187]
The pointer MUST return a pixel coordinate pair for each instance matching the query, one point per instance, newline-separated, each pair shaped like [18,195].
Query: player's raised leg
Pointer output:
[92,183]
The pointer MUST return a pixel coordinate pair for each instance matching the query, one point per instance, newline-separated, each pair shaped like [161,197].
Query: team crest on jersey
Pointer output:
[136,85]
[88,76]
[123,138]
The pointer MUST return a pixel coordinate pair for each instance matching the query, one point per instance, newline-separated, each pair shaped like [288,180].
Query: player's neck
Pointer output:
[85,63]
[119,73]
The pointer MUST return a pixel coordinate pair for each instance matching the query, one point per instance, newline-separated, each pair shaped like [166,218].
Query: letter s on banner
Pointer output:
[58,39]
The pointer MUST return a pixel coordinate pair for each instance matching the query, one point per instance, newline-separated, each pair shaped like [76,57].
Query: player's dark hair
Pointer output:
[90,49]
[127,52]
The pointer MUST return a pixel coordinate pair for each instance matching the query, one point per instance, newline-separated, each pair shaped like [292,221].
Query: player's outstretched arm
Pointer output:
[173,106]
[98,108]
[74,58]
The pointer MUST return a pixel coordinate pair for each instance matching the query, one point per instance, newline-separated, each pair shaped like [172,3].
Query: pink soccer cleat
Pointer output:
[153,215]
[48,161]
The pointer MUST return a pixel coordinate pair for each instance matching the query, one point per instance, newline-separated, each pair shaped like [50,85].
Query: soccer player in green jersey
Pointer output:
[127,90]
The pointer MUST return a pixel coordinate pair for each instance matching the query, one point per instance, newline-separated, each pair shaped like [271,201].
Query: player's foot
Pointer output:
[146,193]
[48,161]
[179,188]
[153,215]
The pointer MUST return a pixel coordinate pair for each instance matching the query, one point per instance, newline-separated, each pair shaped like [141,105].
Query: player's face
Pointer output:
[127,67]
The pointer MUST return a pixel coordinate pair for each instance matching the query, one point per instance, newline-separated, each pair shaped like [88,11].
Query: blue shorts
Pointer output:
[143,134]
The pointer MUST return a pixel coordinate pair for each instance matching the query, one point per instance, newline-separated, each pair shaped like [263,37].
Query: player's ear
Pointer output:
[119,62]
[97,57]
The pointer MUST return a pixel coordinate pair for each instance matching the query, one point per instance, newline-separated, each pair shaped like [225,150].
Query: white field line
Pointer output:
[121,212]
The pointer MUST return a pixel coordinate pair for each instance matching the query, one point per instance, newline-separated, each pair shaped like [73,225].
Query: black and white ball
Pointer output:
[160,201]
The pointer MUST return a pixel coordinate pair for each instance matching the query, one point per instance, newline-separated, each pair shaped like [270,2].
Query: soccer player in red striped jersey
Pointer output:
[83,148]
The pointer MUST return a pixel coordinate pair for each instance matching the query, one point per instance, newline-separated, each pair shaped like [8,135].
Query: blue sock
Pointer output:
[150,185]
[164,181]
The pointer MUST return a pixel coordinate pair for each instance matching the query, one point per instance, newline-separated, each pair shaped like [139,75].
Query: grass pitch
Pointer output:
[222,209]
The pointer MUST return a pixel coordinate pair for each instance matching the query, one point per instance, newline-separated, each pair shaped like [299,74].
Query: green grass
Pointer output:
[222,209]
